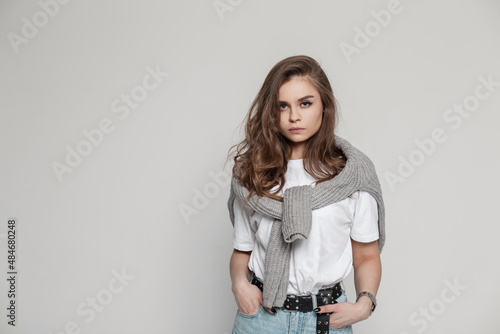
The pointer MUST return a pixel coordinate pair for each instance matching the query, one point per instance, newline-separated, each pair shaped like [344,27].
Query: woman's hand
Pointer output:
[248,297]
[367,273]
[347,313]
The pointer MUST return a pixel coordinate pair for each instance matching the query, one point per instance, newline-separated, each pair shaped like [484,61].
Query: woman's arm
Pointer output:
[367,274]
[248,297]
[238,268]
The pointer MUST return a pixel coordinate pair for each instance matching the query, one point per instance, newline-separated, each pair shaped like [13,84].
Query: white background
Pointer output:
[120,208]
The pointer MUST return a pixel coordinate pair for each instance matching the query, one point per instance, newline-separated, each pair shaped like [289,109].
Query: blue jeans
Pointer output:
[283,322]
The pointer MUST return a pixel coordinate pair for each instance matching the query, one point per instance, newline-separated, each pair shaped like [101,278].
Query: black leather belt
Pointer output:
[307,303]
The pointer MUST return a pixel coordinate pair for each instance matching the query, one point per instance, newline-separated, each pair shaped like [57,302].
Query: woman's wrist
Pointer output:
[238,283]
[364,306]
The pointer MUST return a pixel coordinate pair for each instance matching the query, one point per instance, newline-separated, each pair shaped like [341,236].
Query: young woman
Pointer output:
[289,162]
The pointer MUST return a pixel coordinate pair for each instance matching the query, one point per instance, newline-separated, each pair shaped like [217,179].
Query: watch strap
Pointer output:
[369,295]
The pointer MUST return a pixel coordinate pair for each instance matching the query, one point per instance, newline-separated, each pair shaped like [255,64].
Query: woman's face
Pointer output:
[300,107]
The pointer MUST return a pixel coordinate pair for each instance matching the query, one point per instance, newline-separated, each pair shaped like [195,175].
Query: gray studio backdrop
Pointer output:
[116,117]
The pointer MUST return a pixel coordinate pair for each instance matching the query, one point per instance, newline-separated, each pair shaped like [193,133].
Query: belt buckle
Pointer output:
[288,297]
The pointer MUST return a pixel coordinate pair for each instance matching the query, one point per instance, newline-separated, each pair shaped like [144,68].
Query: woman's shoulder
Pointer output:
[361,196]
[362,202]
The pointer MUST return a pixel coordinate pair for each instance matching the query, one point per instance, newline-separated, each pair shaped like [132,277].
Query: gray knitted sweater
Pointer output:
[293,216]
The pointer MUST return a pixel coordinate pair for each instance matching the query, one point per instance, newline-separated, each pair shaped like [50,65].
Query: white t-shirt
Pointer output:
[325,257]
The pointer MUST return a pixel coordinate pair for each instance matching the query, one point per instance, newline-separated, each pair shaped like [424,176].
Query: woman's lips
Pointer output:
[294,130]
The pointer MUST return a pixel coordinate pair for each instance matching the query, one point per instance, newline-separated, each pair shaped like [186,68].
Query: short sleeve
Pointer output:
[365,218]
[243,231]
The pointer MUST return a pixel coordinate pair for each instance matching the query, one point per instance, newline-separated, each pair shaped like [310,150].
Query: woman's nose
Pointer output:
[294,114]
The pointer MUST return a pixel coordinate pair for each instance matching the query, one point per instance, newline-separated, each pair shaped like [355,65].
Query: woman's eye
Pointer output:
[283,106]
[307,103]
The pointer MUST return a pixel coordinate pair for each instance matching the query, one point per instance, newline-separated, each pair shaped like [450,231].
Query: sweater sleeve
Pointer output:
[365,219]
[243,231]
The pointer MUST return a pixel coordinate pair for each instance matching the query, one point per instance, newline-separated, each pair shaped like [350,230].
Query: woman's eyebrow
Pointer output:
[302,98]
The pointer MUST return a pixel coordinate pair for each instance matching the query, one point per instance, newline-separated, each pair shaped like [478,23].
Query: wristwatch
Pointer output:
[372,297]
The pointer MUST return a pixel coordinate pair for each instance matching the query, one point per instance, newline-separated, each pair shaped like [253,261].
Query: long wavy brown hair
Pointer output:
[260,161]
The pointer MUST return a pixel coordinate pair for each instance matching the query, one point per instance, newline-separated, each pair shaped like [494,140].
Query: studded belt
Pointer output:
[310,302]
